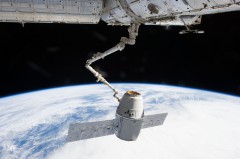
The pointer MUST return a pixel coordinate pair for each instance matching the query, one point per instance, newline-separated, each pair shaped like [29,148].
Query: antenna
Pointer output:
[133,33]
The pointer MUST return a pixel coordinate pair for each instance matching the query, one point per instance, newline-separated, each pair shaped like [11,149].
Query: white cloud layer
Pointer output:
[199,125]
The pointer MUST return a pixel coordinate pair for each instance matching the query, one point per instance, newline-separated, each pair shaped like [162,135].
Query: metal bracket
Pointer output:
[133,32]
[189,30]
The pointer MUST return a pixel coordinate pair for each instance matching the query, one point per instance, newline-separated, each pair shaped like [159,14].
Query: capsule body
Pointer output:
[129,116]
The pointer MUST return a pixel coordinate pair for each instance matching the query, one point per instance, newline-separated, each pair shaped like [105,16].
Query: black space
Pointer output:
[39,56]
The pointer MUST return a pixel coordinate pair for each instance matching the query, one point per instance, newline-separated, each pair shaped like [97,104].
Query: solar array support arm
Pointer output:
[133,33]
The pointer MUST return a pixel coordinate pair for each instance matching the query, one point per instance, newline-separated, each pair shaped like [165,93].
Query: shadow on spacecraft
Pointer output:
[127,125]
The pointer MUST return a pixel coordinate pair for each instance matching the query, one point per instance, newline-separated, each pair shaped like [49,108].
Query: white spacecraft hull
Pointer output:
[113,12]
[51,11]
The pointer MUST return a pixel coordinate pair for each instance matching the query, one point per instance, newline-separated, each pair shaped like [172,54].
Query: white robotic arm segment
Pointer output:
[133,32]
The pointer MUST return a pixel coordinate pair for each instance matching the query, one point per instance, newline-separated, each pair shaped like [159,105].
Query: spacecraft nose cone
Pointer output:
[132,93]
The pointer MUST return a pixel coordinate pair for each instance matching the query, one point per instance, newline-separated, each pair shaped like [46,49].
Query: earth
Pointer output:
[200,124]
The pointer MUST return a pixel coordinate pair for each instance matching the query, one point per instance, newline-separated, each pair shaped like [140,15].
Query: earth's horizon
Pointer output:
[200,124]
